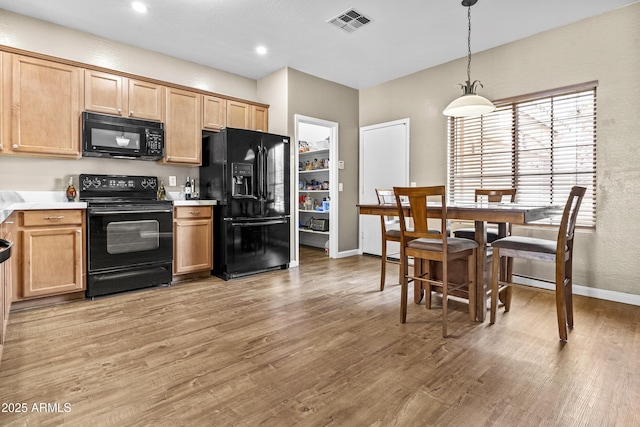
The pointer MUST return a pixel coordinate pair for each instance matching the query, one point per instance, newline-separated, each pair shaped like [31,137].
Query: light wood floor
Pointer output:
[313,346]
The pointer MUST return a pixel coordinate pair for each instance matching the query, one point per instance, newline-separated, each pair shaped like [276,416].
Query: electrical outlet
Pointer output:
[172,181]
[414,184]
[340,186]
[340,164]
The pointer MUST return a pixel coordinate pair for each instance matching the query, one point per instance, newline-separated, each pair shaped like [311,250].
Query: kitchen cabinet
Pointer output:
[113,94]
[51,252]
[214,112]
[259,118]
[183,128]
[192,239]
[238,115]
[42,105]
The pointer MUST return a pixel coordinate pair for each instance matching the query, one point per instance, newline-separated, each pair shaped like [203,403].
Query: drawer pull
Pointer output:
[54,218]
[194,212]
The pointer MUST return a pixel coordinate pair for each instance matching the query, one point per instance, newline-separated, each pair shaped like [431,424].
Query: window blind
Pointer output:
[541,144]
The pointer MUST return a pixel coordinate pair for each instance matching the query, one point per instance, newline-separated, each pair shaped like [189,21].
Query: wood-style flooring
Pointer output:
[314,346]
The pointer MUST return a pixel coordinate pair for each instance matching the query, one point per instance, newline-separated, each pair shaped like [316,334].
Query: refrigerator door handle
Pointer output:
[265,188]
[260,167]
[259,223]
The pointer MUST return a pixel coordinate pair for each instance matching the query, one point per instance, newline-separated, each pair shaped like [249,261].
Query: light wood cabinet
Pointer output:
[259,118]
[51,252]
[42,106]
[192,239]
[183,127]
[238,115]
[121,96]
[214,112]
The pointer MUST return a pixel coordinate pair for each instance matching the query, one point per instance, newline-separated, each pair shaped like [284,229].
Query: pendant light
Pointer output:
[469,104]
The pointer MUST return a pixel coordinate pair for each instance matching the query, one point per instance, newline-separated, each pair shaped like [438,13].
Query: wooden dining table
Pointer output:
[480,213]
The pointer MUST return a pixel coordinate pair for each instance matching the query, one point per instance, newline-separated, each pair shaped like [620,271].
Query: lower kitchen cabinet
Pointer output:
[192,239]
[51,251]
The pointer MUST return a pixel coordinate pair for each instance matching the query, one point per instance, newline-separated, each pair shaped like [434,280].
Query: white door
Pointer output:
[384,163]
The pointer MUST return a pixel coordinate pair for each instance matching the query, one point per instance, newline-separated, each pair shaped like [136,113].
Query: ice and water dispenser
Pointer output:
[242,179]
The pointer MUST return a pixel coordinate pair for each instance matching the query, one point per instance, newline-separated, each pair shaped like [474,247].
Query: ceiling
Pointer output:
[404,36]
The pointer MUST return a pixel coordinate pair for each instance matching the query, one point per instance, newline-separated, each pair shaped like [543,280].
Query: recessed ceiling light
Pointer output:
[261,50]
[139,7]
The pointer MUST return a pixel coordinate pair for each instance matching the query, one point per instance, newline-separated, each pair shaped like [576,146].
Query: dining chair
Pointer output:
[425,244]
[505,195]
[559,251]
[388,234]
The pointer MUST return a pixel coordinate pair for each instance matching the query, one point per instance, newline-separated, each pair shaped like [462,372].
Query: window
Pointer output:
[541,144]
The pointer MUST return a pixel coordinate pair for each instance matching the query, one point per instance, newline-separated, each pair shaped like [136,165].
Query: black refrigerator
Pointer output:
[248,173]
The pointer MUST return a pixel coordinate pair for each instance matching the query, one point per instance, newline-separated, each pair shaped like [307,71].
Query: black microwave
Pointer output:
[121,137]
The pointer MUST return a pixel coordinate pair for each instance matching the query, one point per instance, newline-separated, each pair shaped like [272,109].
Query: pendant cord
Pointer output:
[469,45]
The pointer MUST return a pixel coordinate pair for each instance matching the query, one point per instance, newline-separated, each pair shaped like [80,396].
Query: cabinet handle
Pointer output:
[8,222]
[54,218]
[130,113]
[15,146]
[194,212]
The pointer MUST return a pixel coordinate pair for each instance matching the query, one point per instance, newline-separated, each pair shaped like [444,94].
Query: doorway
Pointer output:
[384,163]
[315,204]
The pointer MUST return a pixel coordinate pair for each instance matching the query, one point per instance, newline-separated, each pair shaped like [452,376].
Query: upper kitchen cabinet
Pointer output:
[238,115]
[214,112]
[183,127]
[259,118]
[42,105]
[121,96]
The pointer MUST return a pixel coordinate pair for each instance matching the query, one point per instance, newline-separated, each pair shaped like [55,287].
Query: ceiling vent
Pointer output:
[349,20]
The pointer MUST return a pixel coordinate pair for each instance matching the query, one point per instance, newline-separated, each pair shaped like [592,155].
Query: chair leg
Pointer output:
[405,288]
[561,302]
[471,270]
[383,265]
[508,292]
[445,292]
[495,271]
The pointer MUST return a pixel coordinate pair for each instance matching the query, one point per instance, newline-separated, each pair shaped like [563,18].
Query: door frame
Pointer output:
[404,122]
[333,186]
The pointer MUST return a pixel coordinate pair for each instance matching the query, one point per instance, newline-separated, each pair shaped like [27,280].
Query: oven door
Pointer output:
[119,238]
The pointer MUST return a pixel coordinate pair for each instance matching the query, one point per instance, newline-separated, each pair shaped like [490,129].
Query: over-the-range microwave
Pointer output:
[121,137]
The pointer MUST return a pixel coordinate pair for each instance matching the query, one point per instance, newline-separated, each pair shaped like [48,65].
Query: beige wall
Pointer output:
[314,97]
[604,48]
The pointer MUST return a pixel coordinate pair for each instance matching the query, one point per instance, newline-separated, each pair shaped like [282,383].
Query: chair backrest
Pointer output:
[568,222]
[495,195]
[386,197]
[417,197]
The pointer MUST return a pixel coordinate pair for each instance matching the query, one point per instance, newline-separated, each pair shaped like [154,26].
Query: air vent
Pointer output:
[349,20]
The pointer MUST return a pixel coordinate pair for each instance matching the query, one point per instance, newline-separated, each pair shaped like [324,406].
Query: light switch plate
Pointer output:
[340,186]
[340,164]
[172,181]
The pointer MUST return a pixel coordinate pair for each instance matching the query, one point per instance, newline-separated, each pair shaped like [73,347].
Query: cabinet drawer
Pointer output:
[185,212]
[52,217]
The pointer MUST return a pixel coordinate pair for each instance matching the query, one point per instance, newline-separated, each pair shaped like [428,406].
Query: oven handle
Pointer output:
[92,212]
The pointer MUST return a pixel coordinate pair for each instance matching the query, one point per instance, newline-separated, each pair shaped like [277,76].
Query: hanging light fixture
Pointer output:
[469,104]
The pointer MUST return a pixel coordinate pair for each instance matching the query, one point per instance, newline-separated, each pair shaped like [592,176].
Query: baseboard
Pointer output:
[586,291]
[345,254]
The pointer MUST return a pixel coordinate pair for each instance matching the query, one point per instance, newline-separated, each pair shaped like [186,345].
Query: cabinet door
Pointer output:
[259,118]
[183,129]
[145,100]
[214,112]
[51,261]
[238,115]
[46,99]
[193,250]
[103,93]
